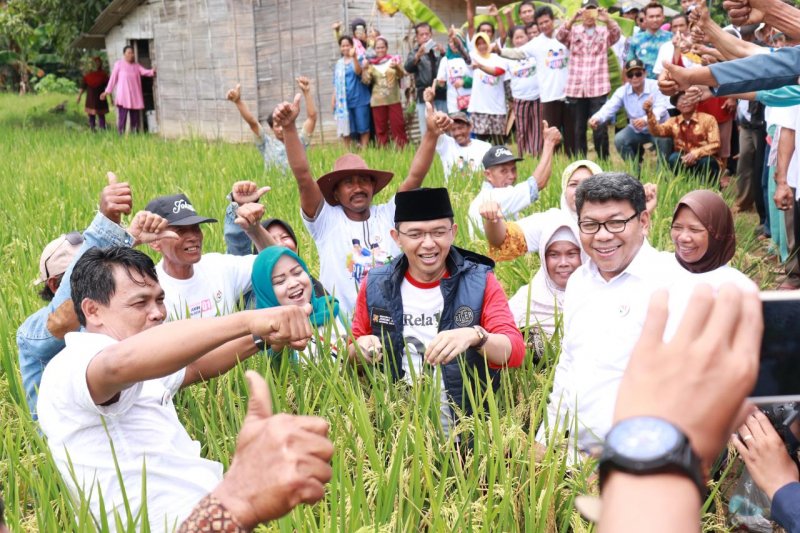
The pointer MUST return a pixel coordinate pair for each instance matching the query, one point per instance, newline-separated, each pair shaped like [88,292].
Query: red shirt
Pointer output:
[496,317]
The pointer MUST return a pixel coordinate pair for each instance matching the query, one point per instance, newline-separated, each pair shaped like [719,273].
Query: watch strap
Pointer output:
[483,335]
[682,460]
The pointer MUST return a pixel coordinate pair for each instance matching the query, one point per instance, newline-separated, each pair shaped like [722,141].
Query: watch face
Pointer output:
[644,438]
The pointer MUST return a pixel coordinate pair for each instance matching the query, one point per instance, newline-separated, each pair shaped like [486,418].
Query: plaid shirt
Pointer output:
[588,63]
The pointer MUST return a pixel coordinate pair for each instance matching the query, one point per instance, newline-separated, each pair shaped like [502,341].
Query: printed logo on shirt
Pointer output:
[423,319]
[556,59]
[488,79]
[464,316]
[361,259]
[525,68]
[382,319]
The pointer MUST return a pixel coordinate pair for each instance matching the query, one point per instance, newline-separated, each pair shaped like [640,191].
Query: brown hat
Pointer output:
[346,166]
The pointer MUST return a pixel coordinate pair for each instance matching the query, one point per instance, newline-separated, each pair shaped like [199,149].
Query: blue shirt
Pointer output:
[785,508]
[645,45]
[784,97]
[758,72]
[632,102]
[36,345]
[358,94]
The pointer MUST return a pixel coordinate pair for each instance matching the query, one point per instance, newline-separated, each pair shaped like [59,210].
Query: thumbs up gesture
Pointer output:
[245,192]
[115,199]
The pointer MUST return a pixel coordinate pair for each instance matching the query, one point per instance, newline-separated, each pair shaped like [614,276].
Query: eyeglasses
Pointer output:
[436,234]
[635,74]
[74,238]
[590,227]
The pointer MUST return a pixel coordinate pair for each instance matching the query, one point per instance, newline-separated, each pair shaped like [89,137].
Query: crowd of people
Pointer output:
[120,335]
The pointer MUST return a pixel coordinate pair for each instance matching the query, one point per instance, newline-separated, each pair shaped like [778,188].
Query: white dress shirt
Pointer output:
[602,322]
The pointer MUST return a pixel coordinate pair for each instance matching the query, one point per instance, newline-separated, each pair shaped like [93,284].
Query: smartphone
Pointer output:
[429,45]
[482,10]
[779,372]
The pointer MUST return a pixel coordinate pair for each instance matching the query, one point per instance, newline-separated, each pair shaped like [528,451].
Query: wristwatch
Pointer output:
[649,445]
[258,341]
[483,336]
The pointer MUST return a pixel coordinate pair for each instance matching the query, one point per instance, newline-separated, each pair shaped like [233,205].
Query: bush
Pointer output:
[53,84]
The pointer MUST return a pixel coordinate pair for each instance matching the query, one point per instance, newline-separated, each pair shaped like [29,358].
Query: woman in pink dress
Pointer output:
[126,78]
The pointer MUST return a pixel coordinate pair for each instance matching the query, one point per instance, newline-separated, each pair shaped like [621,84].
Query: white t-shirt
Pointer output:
[524,83]
[789,117]
[450,71]
[215,288]
[551,66]
[422,308]
[512,200]
[488,92]
[457,159]
[665,53]
[144,429]
[349,249]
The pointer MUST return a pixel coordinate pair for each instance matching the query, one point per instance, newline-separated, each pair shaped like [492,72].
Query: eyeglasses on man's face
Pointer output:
[436,234]
[590,227]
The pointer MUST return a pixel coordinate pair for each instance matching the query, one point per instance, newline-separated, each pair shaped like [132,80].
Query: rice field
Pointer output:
[393,469]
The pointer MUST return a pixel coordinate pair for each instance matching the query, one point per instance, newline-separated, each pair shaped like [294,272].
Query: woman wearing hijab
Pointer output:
[280,277]
[383,73]
[350,96]
[704,238]
[487,103]
[537,305]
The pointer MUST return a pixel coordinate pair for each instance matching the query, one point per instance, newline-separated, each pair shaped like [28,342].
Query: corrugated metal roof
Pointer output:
[110,17]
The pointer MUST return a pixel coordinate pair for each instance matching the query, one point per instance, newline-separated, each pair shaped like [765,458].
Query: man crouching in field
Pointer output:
[105,402]
[435,305]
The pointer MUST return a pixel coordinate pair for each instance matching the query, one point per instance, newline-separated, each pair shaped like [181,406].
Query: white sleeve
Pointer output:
[75,389]
[664,54]
[441,75]
[317,225]
[787,118]
[238,270]
[532,229]
[514,199]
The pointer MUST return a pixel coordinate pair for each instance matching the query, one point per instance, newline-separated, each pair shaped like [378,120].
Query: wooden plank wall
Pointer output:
[204,47]
[201,49]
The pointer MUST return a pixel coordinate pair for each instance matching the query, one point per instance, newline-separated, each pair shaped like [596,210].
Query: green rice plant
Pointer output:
[394,469]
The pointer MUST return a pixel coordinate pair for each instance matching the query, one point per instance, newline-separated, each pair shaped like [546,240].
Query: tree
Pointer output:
[37,32]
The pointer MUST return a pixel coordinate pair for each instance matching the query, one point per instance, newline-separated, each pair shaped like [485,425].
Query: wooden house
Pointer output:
[201,48]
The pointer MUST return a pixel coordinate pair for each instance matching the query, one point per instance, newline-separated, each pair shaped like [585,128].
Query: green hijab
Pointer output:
[325,308]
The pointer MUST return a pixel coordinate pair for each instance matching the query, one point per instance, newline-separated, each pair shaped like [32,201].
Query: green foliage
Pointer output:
[417,11]
[393,470]
[53,84]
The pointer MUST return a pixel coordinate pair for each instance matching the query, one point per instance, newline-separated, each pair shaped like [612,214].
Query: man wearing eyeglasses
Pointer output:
[41,336]
[605,303]
[637,90]
[435,305]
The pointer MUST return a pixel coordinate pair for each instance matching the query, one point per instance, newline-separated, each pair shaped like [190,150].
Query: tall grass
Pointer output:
[393,468]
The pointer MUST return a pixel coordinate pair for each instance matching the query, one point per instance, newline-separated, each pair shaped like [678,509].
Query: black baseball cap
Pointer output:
[497,155]
[633,64]
[590,3]
[177,209]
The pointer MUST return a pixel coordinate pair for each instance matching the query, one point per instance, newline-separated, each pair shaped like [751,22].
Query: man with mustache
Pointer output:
[338,207]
